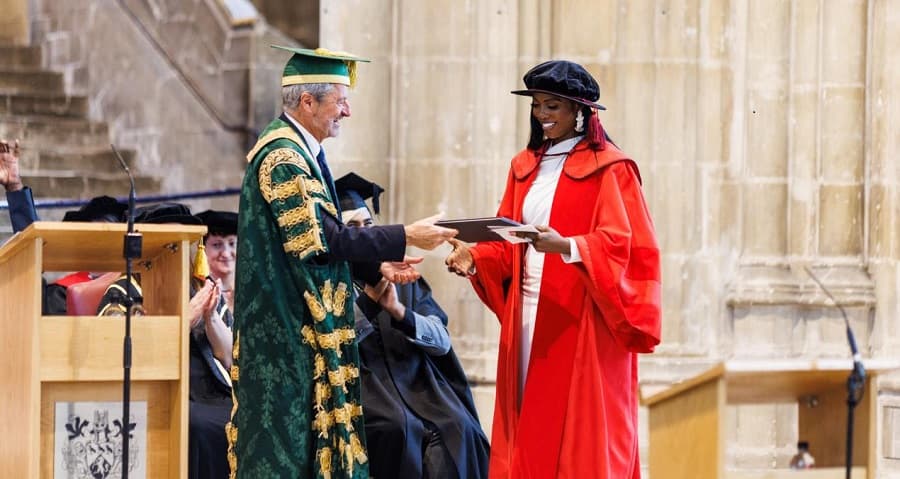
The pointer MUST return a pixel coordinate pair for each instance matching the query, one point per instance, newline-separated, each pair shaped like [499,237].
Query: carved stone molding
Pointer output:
[791,285]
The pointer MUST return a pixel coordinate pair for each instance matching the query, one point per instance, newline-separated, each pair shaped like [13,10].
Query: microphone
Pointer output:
[857,359]
[131,250]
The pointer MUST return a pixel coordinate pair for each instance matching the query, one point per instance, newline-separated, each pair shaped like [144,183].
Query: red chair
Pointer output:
[82,299]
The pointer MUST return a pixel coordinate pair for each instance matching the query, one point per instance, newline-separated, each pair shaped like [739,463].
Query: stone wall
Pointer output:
[297,20]
[766,133]
[766,136]
[174,80]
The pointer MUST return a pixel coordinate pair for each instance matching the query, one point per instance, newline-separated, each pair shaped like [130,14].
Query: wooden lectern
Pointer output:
[687,436]
[79,358]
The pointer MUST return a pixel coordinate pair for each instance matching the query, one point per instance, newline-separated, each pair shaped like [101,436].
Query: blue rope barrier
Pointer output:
[53,204]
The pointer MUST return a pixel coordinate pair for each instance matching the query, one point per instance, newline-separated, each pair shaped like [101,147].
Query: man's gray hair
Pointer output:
[290,95]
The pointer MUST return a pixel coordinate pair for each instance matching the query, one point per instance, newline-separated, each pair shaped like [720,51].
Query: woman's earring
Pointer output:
[579,121]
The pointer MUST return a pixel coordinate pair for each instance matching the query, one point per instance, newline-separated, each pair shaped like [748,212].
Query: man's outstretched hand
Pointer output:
[401,272]
[426,235]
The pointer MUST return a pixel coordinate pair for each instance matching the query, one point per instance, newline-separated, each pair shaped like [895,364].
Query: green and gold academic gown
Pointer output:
[297,410]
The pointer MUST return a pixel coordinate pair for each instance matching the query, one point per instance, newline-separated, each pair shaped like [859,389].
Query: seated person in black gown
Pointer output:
[210,338]
[113,301]
[419,414]
[101,209]
[210,349]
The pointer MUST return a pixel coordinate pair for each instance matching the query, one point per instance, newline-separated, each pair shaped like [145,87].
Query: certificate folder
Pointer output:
[477,230]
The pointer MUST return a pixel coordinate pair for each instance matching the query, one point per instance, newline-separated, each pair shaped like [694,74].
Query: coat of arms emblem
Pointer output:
[89,440]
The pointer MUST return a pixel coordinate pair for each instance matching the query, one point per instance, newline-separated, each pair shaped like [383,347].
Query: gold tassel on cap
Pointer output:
[351,64]
[201,265]
[351,72]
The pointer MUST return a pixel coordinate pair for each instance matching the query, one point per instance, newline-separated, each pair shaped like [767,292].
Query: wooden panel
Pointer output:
[166,289]
[86,350]
[165,284]
[20,306]
[686,433]
[158,395]
[769,381]
[711,374]
[89,348]
[783,386]
[825,427]
[71,246]
[872,419]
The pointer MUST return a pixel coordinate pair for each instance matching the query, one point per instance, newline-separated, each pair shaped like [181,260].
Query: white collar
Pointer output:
[564,146]
[311,142]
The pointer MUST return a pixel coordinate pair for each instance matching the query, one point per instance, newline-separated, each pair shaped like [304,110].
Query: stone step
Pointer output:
[75,160]
[39,104]
[20,57]
[31,81]
[45,186]
[48,131]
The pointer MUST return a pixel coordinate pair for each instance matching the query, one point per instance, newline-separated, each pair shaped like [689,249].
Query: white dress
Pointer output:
[536,211]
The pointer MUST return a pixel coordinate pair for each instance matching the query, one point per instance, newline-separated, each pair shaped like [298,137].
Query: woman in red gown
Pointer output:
[579,302]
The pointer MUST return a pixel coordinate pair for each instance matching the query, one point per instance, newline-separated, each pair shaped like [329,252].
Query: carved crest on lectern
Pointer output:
[88,440]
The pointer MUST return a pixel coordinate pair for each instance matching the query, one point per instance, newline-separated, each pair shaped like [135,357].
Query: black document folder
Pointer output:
[477,230]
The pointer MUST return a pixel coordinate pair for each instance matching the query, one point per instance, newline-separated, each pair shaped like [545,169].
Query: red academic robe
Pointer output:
[578,414]
[74,278]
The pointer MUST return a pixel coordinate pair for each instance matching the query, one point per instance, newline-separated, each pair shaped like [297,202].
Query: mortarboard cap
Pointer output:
[353,191]
[220,223]
[319,66]
[166,213]
[101,208]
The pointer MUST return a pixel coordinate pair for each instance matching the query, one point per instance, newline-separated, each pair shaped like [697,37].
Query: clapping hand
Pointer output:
[203,303]
[9,166]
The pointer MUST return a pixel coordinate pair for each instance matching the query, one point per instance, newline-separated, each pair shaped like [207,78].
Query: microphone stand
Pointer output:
[855,381]
[131,250]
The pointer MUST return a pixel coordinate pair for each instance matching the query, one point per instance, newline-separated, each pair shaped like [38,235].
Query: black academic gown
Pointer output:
[210,407]
[403,388]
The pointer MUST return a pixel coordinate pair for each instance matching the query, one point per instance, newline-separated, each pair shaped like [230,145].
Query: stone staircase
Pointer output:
[65,155]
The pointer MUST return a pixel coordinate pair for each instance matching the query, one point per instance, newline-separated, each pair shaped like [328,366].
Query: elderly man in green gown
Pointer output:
[297,410]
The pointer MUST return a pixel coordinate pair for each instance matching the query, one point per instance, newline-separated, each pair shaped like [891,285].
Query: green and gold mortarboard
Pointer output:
[319,66]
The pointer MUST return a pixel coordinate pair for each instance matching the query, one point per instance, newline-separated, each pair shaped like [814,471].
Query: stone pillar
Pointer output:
[433,123]
[883,171]
[882,192]
[802,174]
[14,23]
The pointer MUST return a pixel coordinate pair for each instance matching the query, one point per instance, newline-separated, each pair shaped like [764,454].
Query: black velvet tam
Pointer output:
[563,79]
[166,213]
[221,223]
[100,209]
